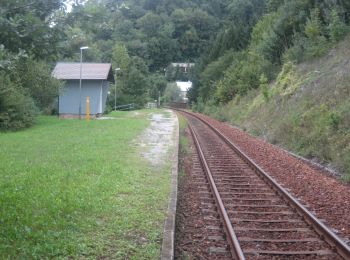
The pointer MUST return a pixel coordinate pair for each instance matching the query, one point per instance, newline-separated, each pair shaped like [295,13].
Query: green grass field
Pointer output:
[77,189]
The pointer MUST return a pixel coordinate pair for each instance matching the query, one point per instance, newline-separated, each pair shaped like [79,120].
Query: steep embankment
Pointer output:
[307,109]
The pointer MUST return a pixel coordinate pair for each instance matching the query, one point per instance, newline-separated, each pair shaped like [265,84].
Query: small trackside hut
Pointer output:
[95,84]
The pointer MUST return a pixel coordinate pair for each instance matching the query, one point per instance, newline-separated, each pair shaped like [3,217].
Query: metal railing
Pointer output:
[125,107]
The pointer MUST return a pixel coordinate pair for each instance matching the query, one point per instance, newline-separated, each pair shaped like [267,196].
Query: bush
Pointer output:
[264,86]
[17,110]
[199,106]
[334,119]
[295,53]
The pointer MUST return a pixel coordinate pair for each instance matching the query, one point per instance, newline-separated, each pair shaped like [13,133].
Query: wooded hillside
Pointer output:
[259,37]
[287,82]
[140,36]
[237,45]
[143,37]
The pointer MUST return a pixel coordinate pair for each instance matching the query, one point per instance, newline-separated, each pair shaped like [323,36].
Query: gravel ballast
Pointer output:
[327,197]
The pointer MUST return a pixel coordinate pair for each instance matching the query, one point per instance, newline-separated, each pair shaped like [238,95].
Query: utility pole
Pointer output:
[81,68]
[115,90]
[158,98]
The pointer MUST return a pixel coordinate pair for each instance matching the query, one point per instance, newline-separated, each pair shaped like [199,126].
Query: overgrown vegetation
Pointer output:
[68,193]
[28,41]
[183,145]
[259,37]
[305,110]
[256,81]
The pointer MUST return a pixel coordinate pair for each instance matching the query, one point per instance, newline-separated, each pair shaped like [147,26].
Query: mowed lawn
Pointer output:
[77,189]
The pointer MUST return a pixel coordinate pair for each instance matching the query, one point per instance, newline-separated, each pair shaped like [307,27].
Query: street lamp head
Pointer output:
[84,47]
[117,69]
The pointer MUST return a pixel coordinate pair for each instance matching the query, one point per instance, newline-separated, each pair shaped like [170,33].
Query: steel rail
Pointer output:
[235,247]
[328,235]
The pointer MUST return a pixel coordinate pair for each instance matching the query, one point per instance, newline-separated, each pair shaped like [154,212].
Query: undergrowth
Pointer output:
[183,142]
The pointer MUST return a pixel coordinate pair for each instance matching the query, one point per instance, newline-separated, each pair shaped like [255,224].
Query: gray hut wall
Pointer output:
[69,98]
[105,90]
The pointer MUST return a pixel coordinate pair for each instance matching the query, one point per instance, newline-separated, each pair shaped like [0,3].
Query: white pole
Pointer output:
[115,90]
[159,99]
[81,65]
[81,68]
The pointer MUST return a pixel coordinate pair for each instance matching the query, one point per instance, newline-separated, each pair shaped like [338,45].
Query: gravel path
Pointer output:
[327,197]
[158,139]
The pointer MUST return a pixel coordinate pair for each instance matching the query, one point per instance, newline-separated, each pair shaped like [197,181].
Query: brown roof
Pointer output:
[71,70]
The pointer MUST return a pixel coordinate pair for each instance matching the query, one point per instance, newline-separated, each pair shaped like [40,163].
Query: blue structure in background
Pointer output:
[95,84]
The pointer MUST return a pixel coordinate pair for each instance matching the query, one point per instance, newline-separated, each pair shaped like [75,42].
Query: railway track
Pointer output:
[247,214]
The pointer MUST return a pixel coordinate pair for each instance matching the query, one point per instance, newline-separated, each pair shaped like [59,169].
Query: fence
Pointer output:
[125,107]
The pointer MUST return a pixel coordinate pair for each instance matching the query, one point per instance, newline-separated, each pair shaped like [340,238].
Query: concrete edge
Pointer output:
[168,244]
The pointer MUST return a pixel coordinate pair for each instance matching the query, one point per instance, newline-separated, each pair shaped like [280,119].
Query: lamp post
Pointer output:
[115,90]
[81,68]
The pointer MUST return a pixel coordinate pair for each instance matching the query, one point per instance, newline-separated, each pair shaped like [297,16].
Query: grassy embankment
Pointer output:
[79,189]
[307,109]
[183,142]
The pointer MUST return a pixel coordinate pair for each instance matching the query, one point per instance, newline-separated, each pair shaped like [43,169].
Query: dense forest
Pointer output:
[237,45]
[260,37]
[140,36]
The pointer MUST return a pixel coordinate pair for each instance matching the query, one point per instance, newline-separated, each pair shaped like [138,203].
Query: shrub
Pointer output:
[287,76]
[334,120]
[17,110]
[264,86]
[199,105]
[295,53]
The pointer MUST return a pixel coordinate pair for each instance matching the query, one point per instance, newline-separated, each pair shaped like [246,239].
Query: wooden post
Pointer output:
[87,108]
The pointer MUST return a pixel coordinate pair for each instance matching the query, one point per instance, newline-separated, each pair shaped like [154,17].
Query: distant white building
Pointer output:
[184,86]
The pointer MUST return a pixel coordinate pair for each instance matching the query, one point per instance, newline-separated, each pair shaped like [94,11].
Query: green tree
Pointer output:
[158,84]
[31,26]
[337,28]
[120,58]
[172,93]
[136,88]
[150,24]
[35,77]
[316,44]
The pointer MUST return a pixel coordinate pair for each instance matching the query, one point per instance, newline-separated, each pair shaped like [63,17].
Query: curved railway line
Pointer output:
[248,215]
